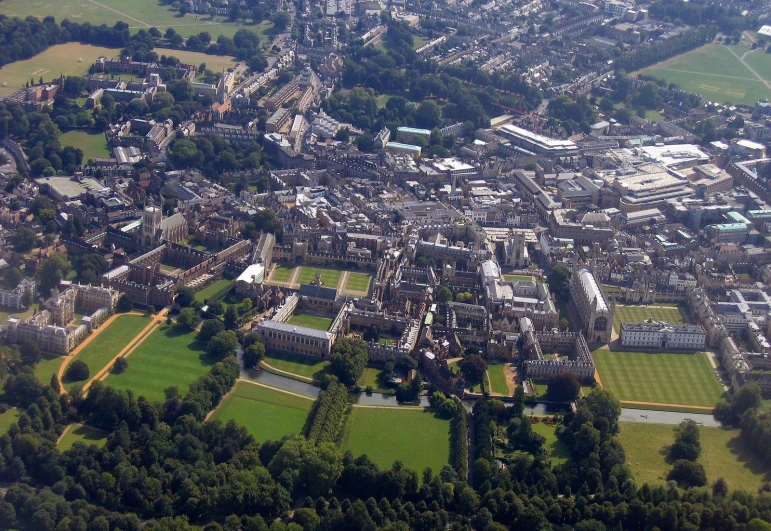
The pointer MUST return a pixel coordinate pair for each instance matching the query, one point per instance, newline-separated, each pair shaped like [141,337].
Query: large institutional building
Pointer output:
[663,336]
[157,229]
[591,307]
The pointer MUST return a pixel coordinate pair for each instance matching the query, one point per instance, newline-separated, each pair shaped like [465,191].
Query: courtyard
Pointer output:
[638,314]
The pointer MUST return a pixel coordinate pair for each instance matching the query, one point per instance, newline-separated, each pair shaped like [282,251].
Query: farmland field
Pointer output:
[357,282]
[311,321]
[557,449]
[93,144]
[268,414]
[168,357]
[109,343]
[716,72]
[723,454]
[84,434]
[301,365]
[662,378]
[637,314]
[413,436]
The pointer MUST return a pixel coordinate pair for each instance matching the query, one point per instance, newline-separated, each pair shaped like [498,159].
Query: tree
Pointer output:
[559,282]
[221,345]
[188,319]
[747,397]
[30,353]
[55,385]
[688,474]
[231,317]
[409,391]
[563,387]
[348,359]
[444,295]
[720,487]
[281,21]
[266,221]
[24,240]
[124,304]
[428,114]
[13,276]
[686,445]
[253,354]
[209,329]
[120,365]
[473,368]
[185,296]
[77,371]
[372,333]
[564,324]
[52,271]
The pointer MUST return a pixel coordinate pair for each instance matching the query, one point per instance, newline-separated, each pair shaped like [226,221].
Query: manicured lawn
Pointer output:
[637,314]
[20,314]
[684,379]
[93,144]
[329,277]
[109,342]
[557,449]
[215,63]
[414,436]
[357,282]
[301,365]
[48,365]
[513,278]
[722,454]
[372,377]
[8,418]
[282,273]
[168,357]
[268,414]
[215,291]
[84,434]
[311,321]
[497,374]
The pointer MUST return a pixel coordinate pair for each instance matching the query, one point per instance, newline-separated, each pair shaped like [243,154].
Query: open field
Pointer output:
[93,144]
[168,357]
[138,14]
[8,418]
[413,436]
[60,59]
[557,449]
[268,414]
[311,321]
[357,282]
[215,63]
[723,454]
[84,434]
[329,277]
[637,314]
[497,375]
[663,378]
[49,364]
[301,365]
[109,343]
[717,74]
[214,291]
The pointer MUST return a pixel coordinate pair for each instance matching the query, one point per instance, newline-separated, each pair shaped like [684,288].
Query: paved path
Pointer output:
[748,67]
[343,281]
[145,24]
[706,74]
[713,362]
[659,404]
[251,382]
[68,428]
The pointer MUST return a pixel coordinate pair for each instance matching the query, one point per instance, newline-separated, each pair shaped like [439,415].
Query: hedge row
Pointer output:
[328,414]
[459,441]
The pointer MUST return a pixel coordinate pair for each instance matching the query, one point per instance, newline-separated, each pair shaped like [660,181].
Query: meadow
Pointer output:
[110,341]
[268,414]
[168,357]
[716,73]
[497,377]
[662,378]
[93,144]
[638,314]
[84,434]
[301,365]
[410,435]
[311,321]
[558,450]
[723,454]
[6,419]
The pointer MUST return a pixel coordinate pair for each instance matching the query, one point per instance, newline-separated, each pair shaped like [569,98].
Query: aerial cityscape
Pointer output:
[385,265]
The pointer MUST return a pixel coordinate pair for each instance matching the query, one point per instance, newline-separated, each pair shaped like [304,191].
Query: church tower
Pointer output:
[151,223]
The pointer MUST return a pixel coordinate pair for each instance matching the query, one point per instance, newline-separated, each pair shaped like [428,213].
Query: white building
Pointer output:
[663,336]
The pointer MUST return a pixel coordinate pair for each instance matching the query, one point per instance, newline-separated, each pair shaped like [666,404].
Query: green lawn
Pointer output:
[414,436]
[357,282]
[311,321]
[301,365]
[8,418]
[215,63]
[168,357]
[383,100]
[723,454]
[93,144]
[373,377]
[717,74]
[268,414]
[329,277]
[684,379]
[20,314]
[497,374]
[513,278]
[84,434]
[557,449]
[282,273]
[637,314]
[49,364]
[214,291]
[109,342]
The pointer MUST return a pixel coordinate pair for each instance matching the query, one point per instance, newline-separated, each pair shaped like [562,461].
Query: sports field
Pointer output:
[329,277]
[168,357]
[357,282]
[82,433]
[662,378]
[716,72]
[311,321]
[411,435]
[71,59]
[138,14]
[638,314]
[722,454]
[497,376]
[214,291]
[93,144]
[110,341]
[8,418]
[558,450]
[268,414]
[301,365]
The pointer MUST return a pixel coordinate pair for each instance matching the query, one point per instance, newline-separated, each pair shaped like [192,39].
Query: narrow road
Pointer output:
[748,67]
